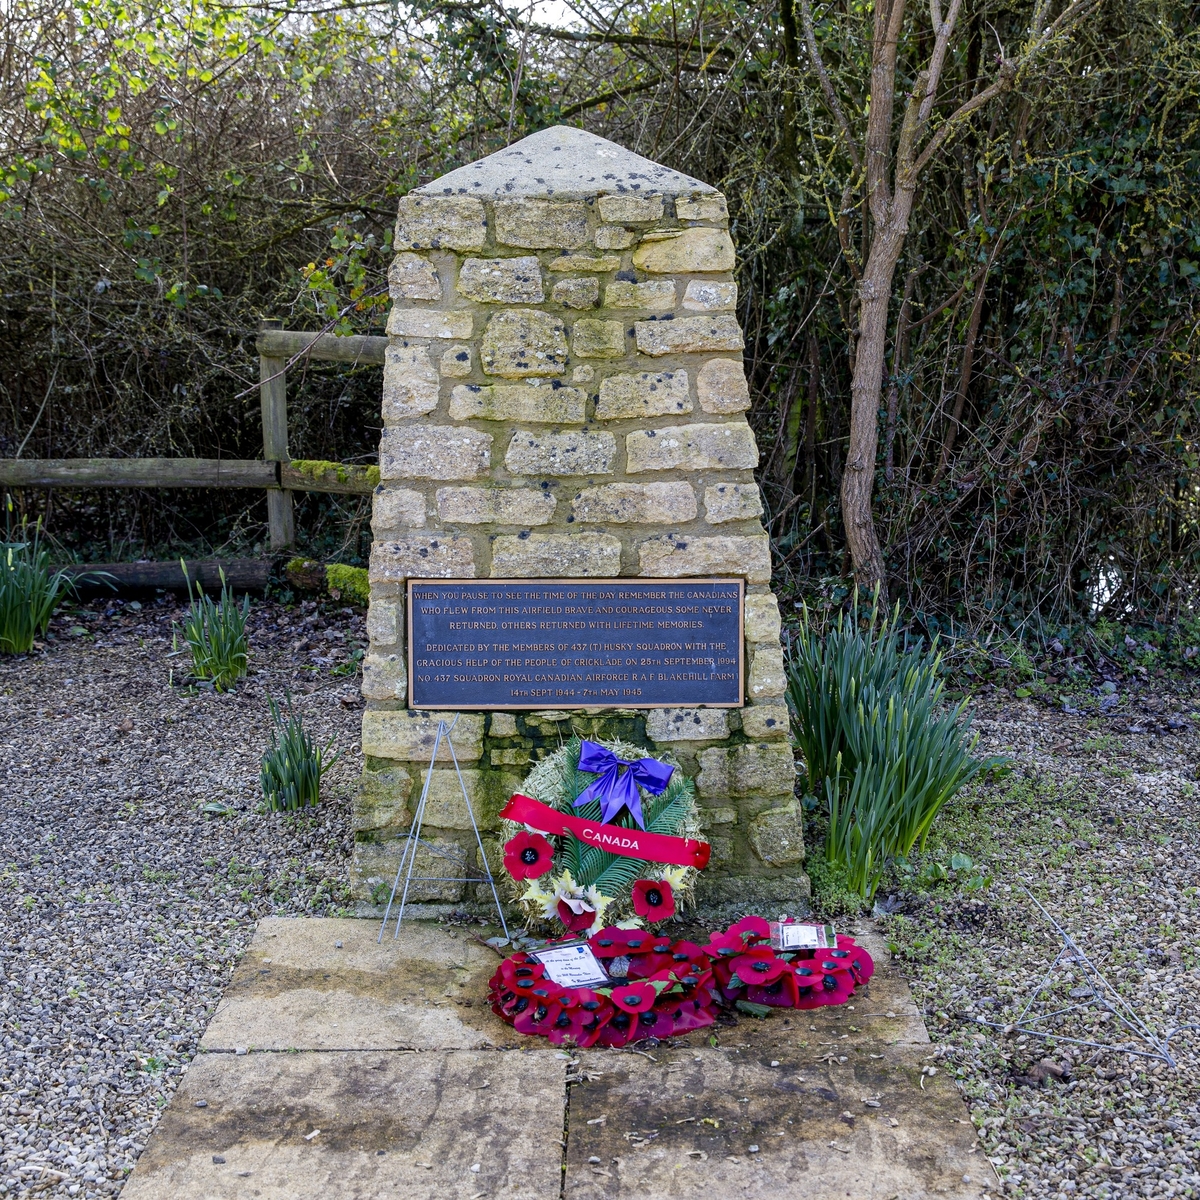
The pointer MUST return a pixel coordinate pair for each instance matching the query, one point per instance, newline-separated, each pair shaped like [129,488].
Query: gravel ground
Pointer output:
[123,906]
[1099,821]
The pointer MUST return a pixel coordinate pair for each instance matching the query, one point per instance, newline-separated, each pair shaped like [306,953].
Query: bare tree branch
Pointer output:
[810,39]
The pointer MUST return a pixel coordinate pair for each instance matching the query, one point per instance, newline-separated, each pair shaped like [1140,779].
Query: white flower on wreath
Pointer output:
[578,899]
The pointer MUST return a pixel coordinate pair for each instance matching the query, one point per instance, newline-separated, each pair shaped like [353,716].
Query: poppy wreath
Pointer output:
[749,972]
[558,878]
[660,988]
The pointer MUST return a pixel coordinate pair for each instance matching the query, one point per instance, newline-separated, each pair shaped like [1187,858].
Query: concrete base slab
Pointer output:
[419,1126]
[400,1064]
[296,988]
[706,1122]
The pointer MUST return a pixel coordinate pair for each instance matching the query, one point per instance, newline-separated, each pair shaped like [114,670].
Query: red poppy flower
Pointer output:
[837,986]
[752,928]
[724,945]
[612,942]
[618,1031]
[576,922]
[653,899]
[528,855]
[690,1014]
[538,1016]
[634,997]
[862,965]
[758,966]
[809,990]
[781,993]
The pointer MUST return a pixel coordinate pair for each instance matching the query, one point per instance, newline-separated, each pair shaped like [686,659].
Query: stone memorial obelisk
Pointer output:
[564,396]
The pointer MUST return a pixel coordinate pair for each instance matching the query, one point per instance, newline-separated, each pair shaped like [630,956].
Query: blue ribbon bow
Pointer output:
[617,789]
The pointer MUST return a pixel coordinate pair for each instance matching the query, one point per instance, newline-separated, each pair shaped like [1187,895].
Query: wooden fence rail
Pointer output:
[276,471]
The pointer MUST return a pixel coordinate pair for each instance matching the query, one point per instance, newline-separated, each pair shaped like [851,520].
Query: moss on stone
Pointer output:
[350,583]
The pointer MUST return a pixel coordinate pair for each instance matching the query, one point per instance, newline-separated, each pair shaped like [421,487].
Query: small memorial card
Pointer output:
[798,936]
[572,964]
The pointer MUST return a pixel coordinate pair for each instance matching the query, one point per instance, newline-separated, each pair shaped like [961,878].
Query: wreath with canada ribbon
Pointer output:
[614,844]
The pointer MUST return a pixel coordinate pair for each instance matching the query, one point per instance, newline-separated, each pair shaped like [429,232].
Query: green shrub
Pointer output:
[291,769]
[216,635]
[29,592]
[881,747]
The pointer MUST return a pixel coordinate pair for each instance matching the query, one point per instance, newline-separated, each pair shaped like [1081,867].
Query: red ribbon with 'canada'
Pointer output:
[631,843]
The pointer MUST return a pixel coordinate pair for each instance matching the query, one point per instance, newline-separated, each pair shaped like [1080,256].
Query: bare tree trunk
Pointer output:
[859,480]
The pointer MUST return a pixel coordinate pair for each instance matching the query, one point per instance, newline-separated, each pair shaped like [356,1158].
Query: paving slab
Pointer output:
[713,1122]
[297,989]
[448,1125]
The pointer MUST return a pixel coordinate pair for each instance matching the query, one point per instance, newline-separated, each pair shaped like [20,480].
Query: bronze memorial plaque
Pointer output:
[575,643]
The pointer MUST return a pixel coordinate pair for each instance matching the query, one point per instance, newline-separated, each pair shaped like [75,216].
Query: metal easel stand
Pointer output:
[1093,992]
[413,839]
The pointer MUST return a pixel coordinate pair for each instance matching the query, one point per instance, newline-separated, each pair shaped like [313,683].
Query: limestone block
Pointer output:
[503,725]
[524,342]
[445,807]
[721,851]
[717,816]
[600,263]
[702,208]
[694,250]
[430,323]
[655,295]
[621,209]
[584,373]
[576,293]
[777,835]
[382,800]
[762,619]
[542,224]
[518,402]
[692,448]
[383,623]
[410,383]
[408,735]
[575,453]
[644,503]
[709,295]
[411,277]
[763,768]
[441,223]
[456,362]
[731,502]
[396,508]
[598,339]
[766,722]
[644,394]
[721,386]
[385,677]
[422,557]
[502,506]
[614,237]
[767,676]
[550,554]
[373,867]
[513,756]
[713,782]
[434,452]
[688,335]
[502,280]
[674,556]
[687,724]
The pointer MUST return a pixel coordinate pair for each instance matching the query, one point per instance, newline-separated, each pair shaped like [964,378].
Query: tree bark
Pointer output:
[858,482]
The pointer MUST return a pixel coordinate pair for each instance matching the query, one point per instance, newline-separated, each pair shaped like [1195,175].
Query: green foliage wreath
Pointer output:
[606,879]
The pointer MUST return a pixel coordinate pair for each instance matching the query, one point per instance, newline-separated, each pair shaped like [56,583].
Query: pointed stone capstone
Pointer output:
[565,163]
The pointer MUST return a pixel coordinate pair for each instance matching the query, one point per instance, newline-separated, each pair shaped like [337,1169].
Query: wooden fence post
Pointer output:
[273,392]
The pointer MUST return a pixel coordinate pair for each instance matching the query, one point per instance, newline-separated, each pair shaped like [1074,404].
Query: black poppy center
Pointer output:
[761,967]
[529,856]
[653,897]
